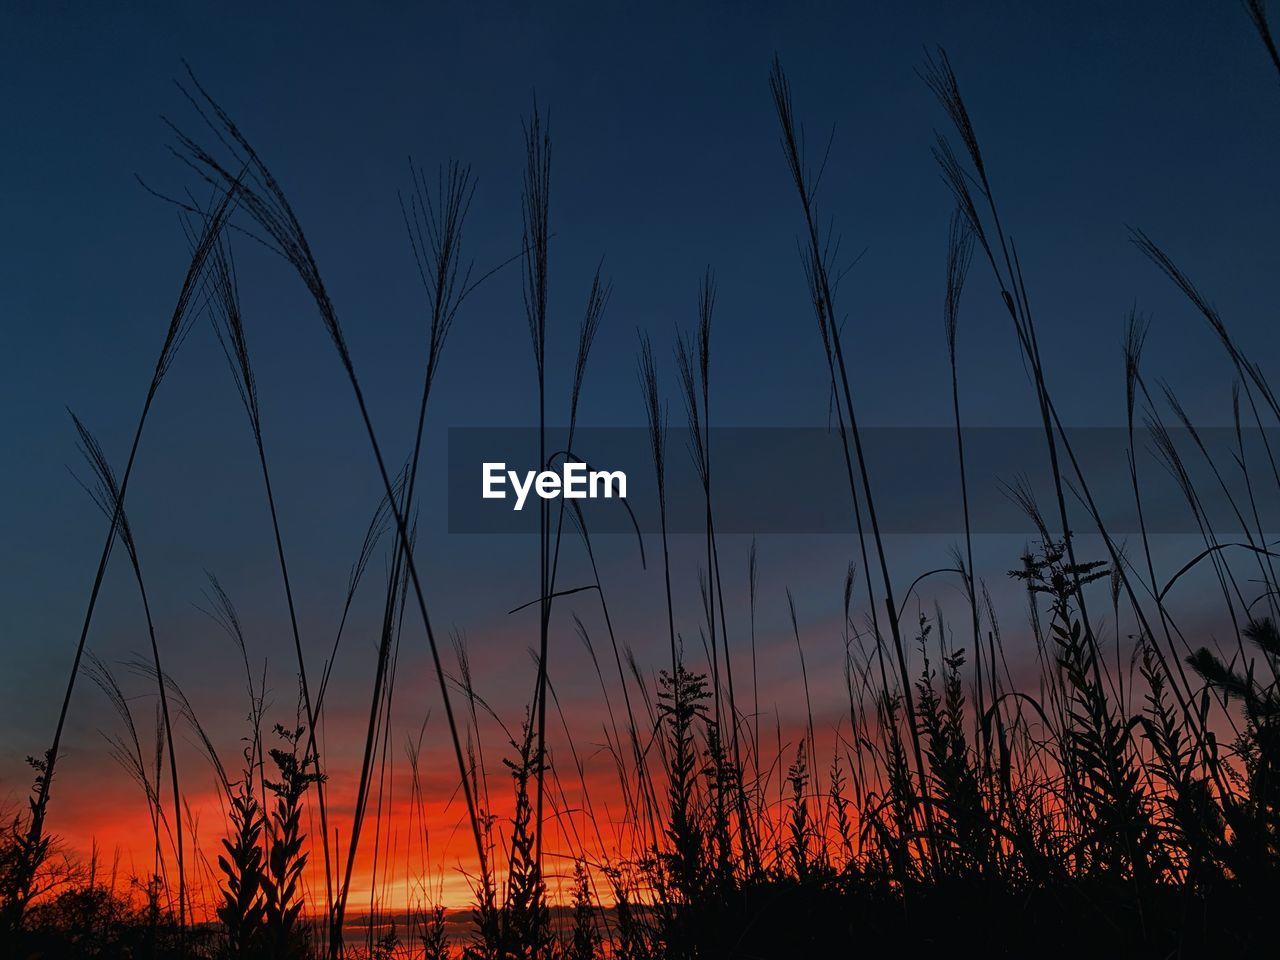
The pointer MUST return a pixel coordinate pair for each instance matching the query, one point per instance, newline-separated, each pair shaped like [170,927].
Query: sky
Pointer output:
[1093,117]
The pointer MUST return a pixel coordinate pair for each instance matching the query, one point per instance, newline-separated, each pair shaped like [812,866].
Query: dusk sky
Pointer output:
[1093,117]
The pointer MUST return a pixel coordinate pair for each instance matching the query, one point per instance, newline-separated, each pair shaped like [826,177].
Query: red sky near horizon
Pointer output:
[419,841]
[96,809]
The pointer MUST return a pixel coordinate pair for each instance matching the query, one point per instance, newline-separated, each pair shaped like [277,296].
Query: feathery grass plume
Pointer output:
[107,495]
[222,611]
[1249,373]
[941,80]
[597,300]
[434,223]
[1136,329]
[960,240]
[126,750]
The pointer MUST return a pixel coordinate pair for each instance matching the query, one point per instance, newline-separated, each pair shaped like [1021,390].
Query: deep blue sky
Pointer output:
[1092,116]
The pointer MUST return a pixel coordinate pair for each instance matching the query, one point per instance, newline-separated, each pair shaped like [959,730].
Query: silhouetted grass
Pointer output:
[1092,809]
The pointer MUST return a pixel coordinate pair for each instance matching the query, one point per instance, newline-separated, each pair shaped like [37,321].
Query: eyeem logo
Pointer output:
[573,482]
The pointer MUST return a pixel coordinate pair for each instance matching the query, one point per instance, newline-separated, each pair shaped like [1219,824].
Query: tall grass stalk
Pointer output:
[35,844]
[822,292]
[108,497]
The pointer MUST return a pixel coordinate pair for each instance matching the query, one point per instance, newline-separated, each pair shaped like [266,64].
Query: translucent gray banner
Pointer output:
[775,480]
